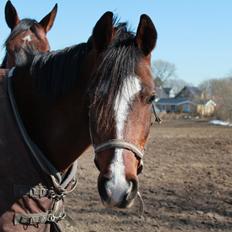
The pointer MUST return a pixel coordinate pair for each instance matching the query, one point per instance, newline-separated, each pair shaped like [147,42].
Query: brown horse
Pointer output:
[98,93]
[25,32]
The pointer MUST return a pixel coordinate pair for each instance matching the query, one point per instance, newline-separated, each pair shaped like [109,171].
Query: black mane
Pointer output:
[56,72]
[119,63]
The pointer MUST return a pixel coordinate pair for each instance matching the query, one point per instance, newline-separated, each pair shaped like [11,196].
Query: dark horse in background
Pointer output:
[25,32]
[98,93]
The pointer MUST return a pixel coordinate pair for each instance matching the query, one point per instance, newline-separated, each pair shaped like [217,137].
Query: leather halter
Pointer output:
[117,143]
[121,144]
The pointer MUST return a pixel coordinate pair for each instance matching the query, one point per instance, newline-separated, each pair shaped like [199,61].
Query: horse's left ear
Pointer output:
[11,15]
[146,35]
[49,19]
[103,31]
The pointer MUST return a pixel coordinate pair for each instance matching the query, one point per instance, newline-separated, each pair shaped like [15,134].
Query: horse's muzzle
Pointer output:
[117,197]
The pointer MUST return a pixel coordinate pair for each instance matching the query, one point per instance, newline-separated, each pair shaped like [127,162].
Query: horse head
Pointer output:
[121,93]
[25,32]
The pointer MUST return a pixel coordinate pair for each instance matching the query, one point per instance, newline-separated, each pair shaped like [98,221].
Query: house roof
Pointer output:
[160,93]
[167,90]
[173,101]
[194,91]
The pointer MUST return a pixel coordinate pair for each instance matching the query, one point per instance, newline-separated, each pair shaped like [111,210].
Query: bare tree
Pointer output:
[220,90]
[163,70]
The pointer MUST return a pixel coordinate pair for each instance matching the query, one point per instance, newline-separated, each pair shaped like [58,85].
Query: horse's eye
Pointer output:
[150,99]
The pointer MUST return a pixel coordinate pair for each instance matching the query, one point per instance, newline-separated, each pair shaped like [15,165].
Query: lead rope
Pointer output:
[157,118]
[59,185]
[141,207]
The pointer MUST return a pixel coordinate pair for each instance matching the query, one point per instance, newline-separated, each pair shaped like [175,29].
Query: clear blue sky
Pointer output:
[195,35]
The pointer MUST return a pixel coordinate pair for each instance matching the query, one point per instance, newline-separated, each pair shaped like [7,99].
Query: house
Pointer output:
[169,92]
[189,92]
[160,93]
[163,92]
[176,105]
[189,100]
[206,108]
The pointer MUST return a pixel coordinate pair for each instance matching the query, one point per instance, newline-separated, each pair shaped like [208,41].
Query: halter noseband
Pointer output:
[117,143]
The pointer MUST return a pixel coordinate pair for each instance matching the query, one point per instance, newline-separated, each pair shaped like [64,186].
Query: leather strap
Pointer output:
[59,183]
[116,143]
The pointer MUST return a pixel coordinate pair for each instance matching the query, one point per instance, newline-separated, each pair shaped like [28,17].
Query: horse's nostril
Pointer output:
[107,177]
[109,193]
[132,191]
[129,190]
[104,192]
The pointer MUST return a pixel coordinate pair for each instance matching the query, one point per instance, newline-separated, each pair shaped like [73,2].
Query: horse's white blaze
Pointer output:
[27,38]
[118,185]
[131,87]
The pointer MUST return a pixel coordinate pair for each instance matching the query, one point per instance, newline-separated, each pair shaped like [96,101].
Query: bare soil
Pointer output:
[186,184]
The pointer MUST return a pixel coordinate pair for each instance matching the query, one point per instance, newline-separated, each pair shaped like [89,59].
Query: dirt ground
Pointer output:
[186,184]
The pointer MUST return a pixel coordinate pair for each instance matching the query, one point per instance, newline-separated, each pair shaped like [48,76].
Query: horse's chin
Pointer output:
[122,205]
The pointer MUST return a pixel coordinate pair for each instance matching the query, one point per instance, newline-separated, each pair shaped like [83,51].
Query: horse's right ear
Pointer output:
[47,21]
[146,35]
[103,31]
[11,15]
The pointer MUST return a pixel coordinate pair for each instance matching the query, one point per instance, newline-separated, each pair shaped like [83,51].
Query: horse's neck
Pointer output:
[59,128]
